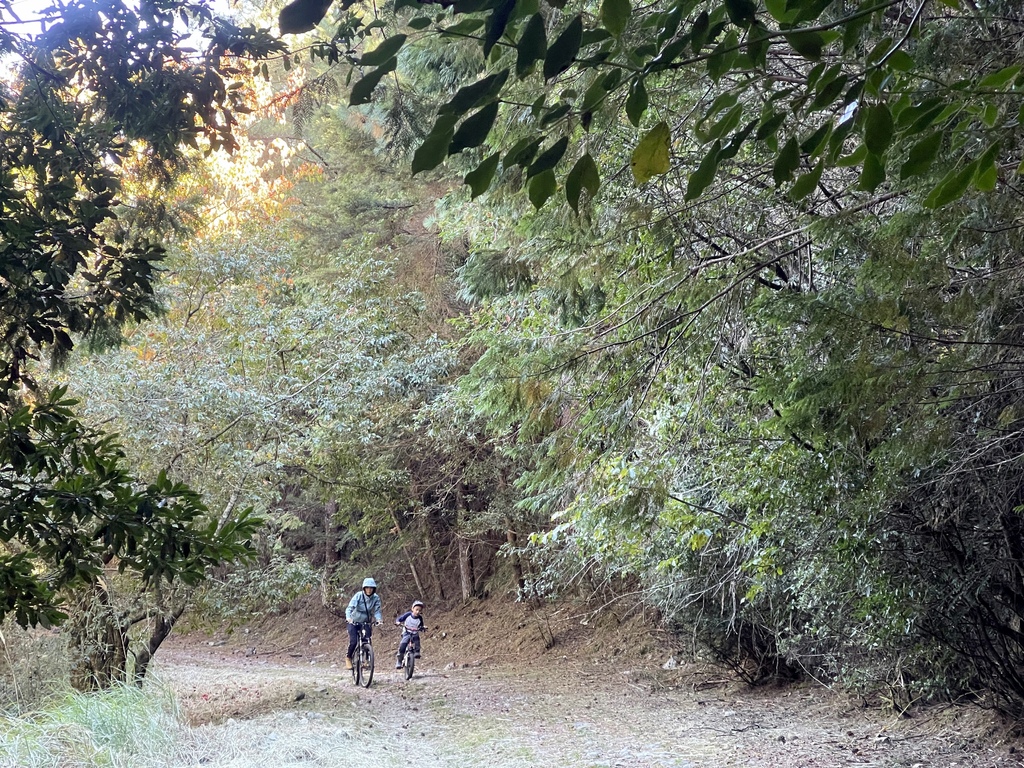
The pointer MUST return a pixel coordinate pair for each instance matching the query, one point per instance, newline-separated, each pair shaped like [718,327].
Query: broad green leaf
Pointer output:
[432,152]
[548,158]
[952,186]
[584,175]
[990,116]
[463,28]
[724,56]
[741,12]
[757,44]
[523,151]
[470,96]
[816,142]
[474,129]
[809,10]
[807,182]
[554,114]
[532,46]
[420,22]
[770,125]
[828,91]
[787,162]
[1000,78]
[699,32]
[881,48]
[922,155]
[779,11]
[854,158]
[615,15]
[878,129]
[807,44]
[669,23]
[872,173]
[901,61]
[637,101]
[736,141]
[541,187]
[479,179]
[920,116]
[562,52]
[705,173]
[667,55]
[987,175]
[594,95]
[651,156]
[497,21]
[362,91]
[383,52]
[723,102]
[591,36]
[726,124]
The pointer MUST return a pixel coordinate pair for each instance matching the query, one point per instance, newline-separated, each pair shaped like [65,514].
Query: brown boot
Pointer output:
[348,663]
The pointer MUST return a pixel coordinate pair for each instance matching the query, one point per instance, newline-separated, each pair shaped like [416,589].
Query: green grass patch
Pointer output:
[124,726]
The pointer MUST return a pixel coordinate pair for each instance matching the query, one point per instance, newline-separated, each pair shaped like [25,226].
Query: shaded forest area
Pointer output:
[712,308]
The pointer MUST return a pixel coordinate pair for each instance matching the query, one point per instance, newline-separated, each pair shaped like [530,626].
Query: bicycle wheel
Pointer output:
[409,663]
[357,667]
[366,665]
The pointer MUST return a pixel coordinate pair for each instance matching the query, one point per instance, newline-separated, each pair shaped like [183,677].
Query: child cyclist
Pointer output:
[364,610]
[412,624]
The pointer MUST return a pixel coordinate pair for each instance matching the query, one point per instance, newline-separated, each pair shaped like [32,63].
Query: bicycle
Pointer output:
[362,660]
[409,660]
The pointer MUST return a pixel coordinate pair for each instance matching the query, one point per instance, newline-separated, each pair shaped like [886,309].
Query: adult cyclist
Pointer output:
[364,610]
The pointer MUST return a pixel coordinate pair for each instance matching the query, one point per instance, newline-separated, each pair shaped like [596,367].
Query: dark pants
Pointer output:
[406,637]
[353,635]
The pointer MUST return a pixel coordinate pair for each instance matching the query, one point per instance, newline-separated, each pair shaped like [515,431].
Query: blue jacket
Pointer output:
[362,609]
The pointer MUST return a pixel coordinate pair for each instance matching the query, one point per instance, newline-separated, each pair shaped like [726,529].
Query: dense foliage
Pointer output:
[102,103]
[758,365]
[771,370]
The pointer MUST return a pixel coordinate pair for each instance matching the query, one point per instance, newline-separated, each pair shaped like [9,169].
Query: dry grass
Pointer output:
[33,666]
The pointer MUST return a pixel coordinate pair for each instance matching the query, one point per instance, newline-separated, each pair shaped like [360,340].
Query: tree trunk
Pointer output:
[465,547]
[330,534]
[161,629]
[466,568]
[517,564]
[435,575]
[408,554]
[97,642]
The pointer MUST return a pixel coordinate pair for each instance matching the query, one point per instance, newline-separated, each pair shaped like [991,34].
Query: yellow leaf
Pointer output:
[651,156]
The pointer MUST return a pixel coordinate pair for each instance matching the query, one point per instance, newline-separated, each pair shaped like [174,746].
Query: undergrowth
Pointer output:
[124,726]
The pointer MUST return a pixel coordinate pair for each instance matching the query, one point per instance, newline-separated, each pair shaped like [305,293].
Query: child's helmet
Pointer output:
[368,582]
[417,602]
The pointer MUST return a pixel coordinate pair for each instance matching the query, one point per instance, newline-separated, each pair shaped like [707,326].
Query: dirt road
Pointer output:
[283,712]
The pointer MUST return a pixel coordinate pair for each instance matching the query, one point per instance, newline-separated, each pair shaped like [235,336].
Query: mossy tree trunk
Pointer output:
[97,641]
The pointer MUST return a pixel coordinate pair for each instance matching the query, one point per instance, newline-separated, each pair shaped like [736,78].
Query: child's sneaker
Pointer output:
[398,665]
[417,655]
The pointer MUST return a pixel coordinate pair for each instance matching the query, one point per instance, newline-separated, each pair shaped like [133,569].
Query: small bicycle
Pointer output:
[409,660]
[362,659]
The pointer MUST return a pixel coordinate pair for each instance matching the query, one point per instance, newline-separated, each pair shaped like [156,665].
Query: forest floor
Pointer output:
[486,692]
